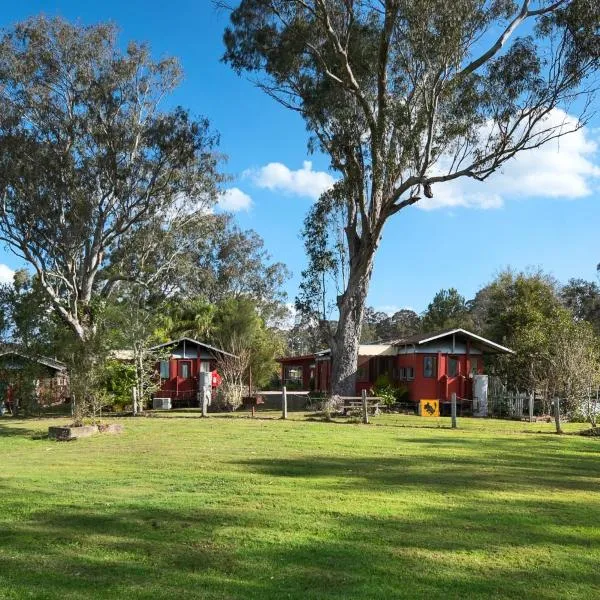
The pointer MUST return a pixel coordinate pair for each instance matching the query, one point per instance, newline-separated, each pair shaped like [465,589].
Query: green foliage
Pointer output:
[556,350]
[583,299]
[119,379]
[388,391]
[447,310]
[233,324]
[236,322]
[379,326]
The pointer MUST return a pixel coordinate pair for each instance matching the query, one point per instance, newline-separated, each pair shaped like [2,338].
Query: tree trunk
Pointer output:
[557,415]
[346,340]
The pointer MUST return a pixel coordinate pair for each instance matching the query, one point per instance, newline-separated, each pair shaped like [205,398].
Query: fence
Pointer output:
[296,401]
[505,404]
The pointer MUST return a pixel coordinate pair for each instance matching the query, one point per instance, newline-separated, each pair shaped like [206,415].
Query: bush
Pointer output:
[389,393]
[118,380]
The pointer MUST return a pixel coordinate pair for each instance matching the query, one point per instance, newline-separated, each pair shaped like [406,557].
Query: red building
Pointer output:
[184,359]
[431,366]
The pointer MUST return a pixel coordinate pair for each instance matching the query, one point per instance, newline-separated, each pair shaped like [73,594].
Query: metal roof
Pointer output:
[193,341]
[390,348]
[424,338]
[52,363]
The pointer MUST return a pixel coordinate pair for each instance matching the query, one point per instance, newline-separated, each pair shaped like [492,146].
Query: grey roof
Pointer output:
[51,363]
[423,338]
[193,341]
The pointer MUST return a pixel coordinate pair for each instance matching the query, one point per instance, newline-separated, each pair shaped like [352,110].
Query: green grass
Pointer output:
[241,508]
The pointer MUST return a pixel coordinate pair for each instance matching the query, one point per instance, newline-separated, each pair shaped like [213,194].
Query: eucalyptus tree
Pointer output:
[88,157]
[403,95]
[447,309]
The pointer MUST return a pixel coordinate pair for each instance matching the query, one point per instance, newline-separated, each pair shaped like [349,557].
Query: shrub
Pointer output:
[389,393]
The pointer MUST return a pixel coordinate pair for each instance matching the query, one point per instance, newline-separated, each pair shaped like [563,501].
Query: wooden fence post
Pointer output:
[204,402]
[284,414]
[134,400]
[531,402]
[453,411]
[365,410]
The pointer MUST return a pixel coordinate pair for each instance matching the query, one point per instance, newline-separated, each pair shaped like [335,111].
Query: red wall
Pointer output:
[440,386]
[177,386]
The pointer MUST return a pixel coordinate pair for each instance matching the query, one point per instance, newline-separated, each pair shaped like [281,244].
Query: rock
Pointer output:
[65,434]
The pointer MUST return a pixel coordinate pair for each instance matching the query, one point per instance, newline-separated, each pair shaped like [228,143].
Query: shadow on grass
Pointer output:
[248,553]
[498,465]
[24,432]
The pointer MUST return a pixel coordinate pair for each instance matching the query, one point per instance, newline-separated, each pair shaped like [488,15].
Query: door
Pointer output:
[453,375]
[185,381]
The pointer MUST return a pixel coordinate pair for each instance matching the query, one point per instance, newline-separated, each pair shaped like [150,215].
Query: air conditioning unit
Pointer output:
[161,403]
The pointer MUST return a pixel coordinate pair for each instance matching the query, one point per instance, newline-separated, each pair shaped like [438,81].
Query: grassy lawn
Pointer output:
[241,508]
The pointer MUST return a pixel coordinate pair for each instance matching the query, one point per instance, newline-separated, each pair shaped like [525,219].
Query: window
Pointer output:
[362,372]
[294,376]
[164,369]
[402,372]
[474,366]
[452,367]
[184,369]
[429,366]
[410,373]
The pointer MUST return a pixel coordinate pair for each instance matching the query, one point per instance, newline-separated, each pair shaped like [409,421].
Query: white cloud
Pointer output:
[6,274]
[234,200]
[304,182]
[563,168]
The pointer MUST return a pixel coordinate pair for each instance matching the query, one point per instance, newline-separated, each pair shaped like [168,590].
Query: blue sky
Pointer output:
[543,212]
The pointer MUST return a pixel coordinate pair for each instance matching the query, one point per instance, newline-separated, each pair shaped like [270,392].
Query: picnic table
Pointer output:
[354,404]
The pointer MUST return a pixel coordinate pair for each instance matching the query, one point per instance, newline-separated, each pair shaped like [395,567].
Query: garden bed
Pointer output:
[68,433]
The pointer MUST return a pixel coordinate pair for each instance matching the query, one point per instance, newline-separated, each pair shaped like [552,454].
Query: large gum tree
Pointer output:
[406,94]
[90,159]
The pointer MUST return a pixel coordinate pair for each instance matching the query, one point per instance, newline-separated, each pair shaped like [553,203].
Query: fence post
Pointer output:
[134,400]
[453,411]
[365,410]
[204,402]
[284,414]
[531,402]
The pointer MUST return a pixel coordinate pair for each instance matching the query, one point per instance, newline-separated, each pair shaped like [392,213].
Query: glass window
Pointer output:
[410,373]
[184,370]
[430,366]
[402,371]
[164,369]
[474,366]
[452,367]
[362,373]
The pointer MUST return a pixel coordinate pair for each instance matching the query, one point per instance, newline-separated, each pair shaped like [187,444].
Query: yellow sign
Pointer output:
[429,408]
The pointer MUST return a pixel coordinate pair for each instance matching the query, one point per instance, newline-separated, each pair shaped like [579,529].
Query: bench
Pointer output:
[356,405]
